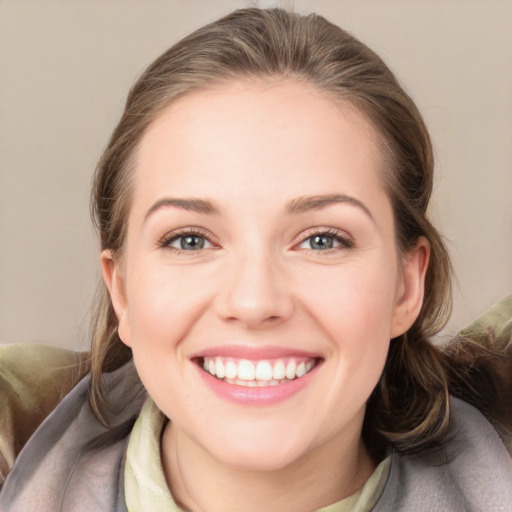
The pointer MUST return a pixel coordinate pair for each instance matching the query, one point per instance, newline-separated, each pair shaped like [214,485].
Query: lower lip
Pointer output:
[259,395]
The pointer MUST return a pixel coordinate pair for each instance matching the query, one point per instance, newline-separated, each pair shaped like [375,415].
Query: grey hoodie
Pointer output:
[75,464]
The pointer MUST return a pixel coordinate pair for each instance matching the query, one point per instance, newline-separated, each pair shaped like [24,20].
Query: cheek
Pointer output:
[163,304]
[354,307]
[354,300]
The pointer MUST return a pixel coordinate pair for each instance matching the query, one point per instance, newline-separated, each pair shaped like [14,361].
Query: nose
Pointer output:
[255,294]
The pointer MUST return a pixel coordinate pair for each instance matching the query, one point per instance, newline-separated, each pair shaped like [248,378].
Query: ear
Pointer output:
[114,279]
[411,287]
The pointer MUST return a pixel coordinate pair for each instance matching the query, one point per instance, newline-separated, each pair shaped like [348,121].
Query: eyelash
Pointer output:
[345,243]
[166,242]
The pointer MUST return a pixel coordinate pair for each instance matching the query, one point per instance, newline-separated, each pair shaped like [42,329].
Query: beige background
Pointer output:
[65,68]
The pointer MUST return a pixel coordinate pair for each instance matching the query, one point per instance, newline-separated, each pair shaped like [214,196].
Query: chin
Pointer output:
[267,453]
[259,462]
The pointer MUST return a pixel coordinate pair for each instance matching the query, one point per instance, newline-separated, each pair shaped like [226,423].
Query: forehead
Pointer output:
[257,138]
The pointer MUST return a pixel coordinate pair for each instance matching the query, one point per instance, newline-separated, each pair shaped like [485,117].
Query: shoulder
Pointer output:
[471,471]
[73,461]
[476,454]
[33,379]
[480,366]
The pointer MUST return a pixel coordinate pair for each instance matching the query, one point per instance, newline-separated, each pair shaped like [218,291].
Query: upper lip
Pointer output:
[253,353]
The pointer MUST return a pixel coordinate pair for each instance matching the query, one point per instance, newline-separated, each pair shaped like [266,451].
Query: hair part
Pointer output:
[410,406]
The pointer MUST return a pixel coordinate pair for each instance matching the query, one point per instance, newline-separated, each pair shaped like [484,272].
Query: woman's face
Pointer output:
[260,283]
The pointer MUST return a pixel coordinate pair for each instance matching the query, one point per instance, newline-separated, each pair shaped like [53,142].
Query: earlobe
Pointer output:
[411,290]
[115,282]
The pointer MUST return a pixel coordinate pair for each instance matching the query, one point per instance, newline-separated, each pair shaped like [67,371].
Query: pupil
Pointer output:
[322,242]
[192,242]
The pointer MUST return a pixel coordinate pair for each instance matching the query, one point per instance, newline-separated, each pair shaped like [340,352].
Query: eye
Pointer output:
[326,240]
[186,241]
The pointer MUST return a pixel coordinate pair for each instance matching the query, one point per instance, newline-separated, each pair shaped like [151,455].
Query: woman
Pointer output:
[272,279]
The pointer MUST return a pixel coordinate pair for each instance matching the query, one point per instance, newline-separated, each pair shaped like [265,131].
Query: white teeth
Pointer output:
[263,371]
[301,369]
[245,370]
[290,370]
[231,370]
[219,369]
[279,371]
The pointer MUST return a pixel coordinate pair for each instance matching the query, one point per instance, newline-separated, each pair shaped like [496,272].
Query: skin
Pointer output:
[252,149]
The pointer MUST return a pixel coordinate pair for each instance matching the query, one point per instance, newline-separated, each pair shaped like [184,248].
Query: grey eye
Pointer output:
[321,242]
[324,241]
[189,242]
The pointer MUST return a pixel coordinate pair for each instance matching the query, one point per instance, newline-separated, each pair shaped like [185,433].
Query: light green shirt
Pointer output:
[146,487]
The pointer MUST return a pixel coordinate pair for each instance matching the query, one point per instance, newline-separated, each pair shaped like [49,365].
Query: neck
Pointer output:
[201,483]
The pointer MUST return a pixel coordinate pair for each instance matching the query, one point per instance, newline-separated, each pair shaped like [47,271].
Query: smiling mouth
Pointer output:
[261,373]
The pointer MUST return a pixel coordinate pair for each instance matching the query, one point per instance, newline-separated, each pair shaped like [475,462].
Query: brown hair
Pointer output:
[410,406]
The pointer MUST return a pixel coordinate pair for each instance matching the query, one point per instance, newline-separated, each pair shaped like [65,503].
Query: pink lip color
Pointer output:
[264,395]
[253,353]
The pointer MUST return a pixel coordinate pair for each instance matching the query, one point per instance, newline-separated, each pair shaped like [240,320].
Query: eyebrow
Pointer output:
[295,206]
[203,206]
[308,203]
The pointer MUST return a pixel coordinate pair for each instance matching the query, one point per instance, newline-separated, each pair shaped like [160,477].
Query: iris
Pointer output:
[321,242]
